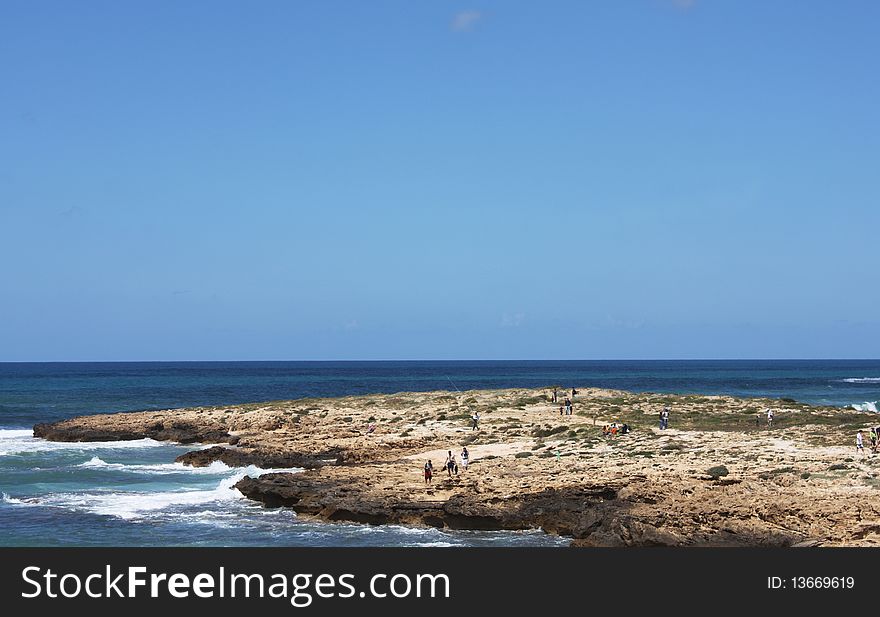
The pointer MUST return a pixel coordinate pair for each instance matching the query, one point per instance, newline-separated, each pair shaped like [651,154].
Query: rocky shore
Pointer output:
[718,476]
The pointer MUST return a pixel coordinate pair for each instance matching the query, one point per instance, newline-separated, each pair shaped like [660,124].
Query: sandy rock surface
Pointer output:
[717,476]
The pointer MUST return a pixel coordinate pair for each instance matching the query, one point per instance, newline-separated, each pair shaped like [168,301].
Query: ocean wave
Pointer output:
[22,441]
[129,505]
[5,498]
[867,406]
[15,433]
[861,380]
[215,468]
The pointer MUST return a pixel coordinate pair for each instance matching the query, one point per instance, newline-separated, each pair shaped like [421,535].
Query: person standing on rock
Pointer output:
[465,458]
[665,418]
[450,463]
[476,419]
[429,472]
[860,443]
[554,396]
[769,417]
[567,406]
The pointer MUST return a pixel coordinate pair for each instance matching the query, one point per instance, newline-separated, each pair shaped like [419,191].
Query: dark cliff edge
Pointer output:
[180,432]
[592,516]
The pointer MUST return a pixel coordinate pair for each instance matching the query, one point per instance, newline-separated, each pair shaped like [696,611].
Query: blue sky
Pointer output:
[498,179]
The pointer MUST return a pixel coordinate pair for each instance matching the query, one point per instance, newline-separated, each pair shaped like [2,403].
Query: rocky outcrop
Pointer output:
[239,457]
[180,432]
[713,478]
[593,515]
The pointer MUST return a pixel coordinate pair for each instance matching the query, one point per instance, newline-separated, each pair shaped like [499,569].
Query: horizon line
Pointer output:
[729,359]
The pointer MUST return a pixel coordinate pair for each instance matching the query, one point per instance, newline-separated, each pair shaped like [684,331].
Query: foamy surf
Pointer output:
[215,468]
[861,380]
[129,505]
[22,441]
[867,406]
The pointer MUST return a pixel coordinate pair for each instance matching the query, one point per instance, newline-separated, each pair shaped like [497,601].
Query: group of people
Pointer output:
[554,398]
[566,408]
[614,429]
[875,440]
[451,465]
[664,419]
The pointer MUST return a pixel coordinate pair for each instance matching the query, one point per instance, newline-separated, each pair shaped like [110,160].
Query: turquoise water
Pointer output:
[133,494]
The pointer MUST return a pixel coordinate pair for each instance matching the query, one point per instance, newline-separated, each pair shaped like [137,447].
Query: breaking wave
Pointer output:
[22,441]
[868,406]
[130,505]
[214,468]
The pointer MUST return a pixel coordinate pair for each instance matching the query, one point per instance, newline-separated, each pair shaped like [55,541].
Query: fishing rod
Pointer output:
[460,392]
[453,384]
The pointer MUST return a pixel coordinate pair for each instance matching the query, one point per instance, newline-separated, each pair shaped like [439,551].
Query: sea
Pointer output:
[132,493]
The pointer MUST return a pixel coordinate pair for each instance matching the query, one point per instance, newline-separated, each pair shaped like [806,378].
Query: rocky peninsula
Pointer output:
[718,476]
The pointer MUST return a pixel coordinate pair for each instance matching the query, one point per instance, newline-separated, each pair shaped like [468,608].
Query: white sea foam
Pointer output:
[434,544]
[861,380]
[867,406]
[15,433]
[7,499]
[215,468]
[18,441]
[138,505]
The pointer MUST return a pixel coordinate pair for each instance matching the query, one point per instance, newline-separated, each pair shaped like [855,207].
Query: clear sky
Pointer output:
[433,179]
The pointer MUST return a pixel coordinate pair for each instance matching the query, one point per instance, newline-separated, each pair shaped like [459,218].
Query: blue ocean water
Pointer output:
[133,494]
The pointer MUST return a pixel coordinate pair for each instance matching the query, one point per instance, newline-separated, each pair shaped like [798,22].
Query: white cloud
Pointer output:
[465,21]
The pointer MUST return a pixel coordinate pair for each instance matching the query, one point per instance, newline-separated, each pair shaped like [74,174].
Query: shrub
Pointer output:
[719,471]
[546,432]
[766,475]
